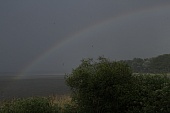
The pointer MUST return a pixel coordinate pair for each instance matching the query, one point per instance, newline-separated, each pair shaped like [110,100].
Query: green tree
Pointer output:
[101,86]
[137,64]
[160,64]
[150,94]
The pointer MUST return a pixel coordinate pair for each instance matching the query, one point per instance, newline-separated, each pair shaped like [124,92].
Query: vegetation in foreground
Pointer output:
[51,104]
[102,86]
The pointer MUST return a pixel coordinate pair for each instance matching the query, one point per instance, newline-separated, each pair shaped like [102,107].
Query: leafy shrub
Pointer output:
[101,86]
[29,105]
[52,104]
[110,87]
[151,94]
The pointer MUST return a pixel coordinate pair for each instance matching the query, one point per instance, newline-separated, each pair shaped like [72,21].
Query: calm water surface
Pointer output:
[39,85]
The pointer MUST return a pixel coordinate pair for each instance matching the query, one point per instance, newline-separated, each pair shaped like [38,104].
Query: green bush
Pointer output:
[29,105]
[151,94]
[110,87]
[101,86]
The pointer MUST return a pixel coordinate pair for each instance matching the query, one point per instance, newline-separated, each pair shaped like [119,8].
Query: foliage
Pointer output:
[101,86]
[51,104]
[107,87]
[159,64]
[29,105]
[150,94]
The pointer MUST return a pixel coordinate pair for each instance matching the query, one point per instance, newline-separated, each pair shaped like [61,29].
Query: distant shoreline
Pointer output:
[27,76]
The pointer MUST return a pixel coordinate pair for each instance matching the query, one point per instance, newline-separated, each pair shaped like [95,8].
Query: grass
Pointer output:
[61,100]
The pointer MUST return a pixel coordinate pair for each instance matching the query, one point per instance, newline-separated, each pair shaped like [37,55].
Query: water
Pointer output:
[33,85]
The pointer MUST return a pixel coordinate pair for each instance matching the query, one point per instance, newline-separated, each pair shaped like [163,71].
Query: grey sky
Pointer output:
[76,29]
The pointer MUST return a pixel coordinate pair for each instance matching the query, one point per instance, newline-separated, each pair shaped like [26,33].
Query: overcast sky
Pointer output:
[54,35]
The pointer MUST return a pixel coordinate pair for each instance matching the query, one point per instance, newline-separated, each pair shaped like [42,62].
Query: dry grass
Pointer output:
[64,102]
[61,100]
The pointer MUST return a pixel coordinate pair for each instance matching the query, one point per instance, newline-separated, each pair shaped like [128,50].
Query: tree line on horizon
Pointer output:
[159,64]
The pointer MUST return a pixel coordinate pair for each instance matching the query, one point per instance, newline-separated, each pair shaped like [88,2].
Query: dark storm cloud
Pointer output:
[29,28]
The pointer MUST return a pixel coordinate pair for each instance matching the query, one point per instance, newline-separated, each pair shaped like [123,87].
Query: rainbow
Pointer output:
[97,26]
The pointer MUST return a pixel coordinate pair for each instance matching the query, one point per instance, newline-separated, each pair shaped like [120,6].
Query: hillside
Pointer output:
[159,64]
